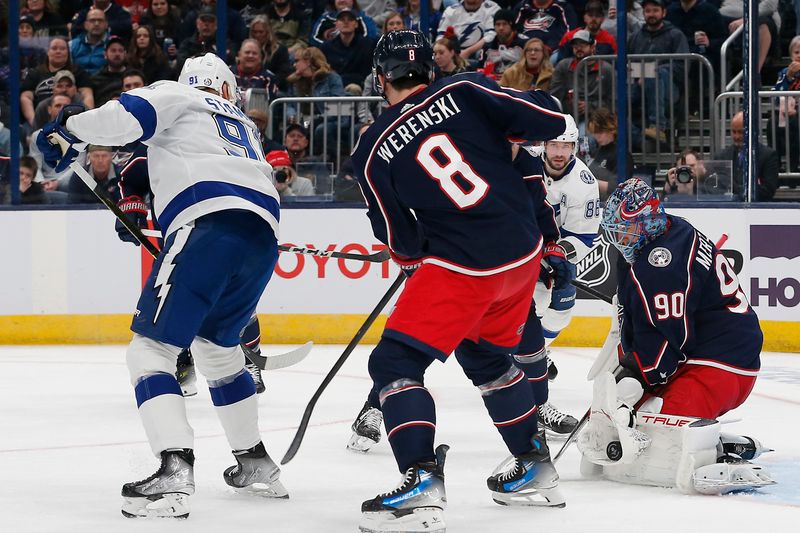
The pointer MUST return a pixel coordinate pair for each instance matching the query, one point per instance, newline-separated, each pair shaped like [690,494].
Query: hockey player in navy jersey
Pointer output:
[134,186]
[218,212]
[690,343]
[443,194]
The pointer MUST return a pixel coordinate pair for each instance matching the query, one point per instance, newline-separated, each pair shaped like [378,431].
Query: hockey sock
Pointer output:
[163,412]
[237,408]
[510,403]
[409,415]
[251,337]
[534,365]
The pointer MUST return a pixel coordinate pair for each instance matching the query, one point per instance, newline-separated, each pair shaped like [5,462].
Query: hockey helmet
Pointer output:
[209,72]
[633,217]
[401,54]
[570,135]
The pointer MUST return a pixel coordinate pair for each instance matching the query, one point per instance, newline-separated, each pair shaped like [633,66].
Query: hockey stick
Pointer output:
[275,362]
[377,257]
[301,429]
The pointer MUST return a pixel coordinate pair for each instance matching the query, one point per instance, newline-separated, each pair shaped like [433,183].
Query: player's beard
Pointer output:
[557,169]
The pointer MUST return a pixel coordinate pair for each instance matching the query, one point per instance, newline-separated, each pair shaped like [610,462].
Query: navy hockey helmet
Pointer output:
[402,54]
[633,217]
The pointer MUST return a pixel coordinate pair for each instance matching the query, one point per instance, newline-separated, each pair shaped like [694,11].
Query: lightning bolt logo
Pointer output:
[164,275]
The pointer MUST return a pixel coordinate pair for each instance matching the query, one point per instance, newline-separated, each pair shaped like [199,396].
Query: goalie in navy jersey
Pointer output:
[443,194]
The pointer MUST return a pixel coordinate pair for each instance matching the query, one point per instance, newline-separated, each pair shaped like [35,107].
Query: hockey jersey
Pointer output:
[470,26]
[437,174]
[681,303]
[548,24]
[204,154]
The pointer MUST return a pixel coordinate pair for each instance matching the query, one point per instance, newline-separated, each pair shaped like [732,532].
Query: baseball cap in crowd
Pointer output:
[346,12]
[27,19]
[116,39]
[64,74]
[279,158]
[661,3]
[582,35]
[207,12]
[504,14]
[291,127]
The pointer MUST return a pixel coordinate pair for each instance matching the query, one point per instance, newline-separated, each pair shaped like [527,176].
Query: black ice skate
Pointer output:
[743,446]
[416,505]
[253,369]
[552,369]
[166,493]
[366,429]
[255,473]
[529,479]
[557,424]
[185,373]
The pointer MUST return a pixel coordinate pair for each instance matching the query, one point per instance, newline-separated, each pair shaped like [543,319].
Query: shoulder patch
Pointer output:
[659,257]
[587,177]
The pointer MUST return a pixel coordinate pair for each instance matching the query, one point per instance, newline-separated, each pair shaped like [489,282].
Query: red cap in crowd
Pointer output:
[279,158]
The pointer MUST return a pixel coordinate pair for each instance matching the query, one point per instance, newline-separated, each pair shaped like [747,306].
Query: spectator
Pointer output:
[87,49]
[108,82]
[260,118]
[594,79]
[250,71]
[133,79]
[165,19]
[32,49]
[275,55]
[345,186]
[701,23]
[767,165]
[602,157]
[64,85]
[379,10]
[297,142]
[290,25]
[506,48]
[681,182]
[44,21]
[146,55]
[38,83]
[533,70]
[118,20]
[349,53]
[593,18]
[448,60]
[204,39]
[31,191]
[325,27]
[237,29]
[547,20]
[366,112]
[104,172]
[657,36]
[768,24]
[51,179]
[634,16]
[473,24]
[285,177]
[136,8]
[411,17]
[789,80]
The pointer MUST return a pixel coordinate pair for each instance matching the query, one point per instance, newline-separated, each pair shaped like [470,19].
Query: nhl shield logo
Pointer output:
[659,257]
[596,268]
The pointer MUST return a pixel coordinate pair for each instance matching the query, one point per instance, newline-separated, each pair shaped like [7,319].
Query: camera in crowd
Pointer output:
[281,176]
[684,174]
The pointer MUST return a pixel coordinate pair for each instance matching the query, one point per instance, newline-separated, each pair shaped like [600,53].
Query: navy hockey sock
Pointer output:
[251,336]
[535,367]
[409,415]
[510,403]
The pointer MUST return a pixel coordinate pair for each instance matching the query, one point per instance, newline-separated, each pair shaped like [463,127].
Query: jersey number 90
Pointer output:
[445,173]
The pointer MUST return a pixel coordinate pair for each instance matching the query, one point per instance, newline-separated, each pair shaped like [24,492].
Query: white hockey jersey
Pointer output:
[575,198]
[204,154]
[470,27]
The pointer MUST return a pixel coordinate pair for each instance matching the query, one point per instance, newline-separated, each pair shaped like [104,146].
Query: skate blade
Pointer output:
[360,444]
[173,505]
[189,390]
[274,490]
[420,520]
[531,498]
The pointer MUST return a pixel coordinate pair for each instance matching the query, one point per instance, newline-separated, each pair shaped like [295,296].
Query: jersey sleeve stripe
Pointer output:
[142,111]
[727,368]
[658,357]
[642,296]
[688,290]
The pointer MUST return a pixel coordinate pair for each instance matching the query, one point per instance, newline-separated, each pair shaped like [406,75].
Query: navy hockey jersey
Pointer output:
[548,24]
[682,304]
[437,173]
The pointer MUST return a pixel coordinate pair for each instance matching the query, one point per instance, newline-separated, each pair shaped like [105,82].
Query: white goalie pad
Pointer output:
[722,478]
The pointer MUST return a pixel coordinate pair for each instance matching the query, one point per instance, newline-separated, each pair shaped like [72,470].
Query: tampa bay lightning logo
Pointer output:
[659,257]
[587,177]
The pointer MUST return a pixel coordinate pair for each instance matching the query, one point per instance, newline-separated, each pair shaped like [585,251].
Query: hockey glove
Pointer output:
[559,274]
[136,211]
[58,146]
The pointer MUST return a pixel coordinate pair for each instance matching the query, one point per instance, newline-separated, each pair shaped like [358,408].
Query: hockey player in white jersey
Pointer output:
[573,193]
[219,214]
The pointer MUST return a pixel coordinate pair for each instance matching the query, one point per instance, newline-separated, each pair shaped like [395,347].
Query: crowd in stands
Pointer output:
[91,51]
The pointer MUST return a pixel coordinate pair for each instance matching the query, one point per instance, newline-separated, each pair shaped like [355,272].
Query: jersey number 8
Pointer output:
[455,166]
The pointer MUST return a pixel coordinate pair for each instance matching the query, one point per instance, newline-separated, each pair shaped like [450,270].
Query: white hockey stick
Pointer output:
[275,362]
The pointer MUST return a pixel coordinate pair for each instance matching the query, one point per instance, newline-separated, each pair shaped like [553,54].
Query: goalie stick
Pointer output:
[301,429]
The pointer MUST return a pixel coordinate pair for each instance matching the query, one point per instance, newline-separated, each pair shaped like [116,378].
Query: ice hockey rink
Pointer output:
[71,437]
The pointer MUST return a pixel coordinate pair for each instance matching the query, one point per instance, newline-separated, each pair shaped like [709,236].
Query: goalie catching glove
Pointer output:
[136,210]
[58,146]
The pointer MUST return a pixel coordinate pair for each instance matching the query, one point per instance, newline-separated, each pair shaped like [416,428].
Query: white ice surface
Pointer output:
[70,436]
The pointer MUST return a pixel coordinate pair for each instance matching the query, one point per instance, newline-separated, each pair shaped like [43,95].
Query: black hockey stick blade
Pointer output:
[301,429]
[377,257]
[283,360]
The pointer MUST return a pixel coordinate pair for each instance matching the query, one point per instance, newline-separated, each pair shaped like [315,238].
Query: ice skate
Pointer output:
[255,473]
[166,493]
[366,429]
[557,424]
[185,373]
[529,479]
[253,369]
[730,474]
[745,447]
[416,505]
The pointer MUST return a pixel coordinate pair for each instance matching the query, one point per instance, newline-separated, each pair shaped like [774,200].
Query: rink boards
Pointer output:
[68,279]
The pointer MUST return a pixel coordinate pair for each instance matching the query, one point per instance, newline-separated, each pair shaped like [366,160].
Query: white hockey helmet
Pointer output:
[570,135]
[210,72]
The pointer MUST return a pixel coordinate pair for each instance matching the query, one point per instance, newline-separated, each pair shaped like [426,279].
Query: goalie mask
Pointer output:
[209,72]
[402,54]
[633,217]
